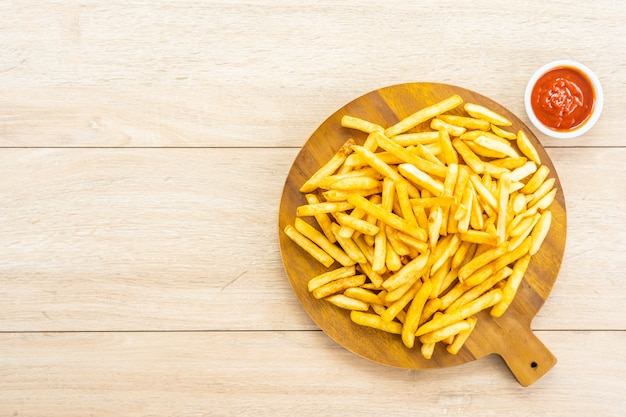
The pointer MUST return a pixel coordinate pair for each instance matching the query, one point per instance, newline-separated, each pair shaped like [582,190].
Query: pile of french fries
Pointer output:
[428,222]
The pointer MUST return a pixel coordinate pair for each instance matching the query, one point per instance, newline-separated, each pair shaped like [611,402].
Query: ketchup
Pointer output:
[563,99]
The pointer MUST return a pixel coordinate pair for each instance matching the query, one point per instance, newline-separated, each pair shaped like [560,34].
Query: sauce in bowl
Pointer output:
[563,98]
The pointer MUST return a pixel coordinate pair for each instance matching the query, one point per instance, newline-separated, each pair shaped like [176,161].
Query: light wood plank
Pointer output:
[268,73]
[287,373]
[186,239]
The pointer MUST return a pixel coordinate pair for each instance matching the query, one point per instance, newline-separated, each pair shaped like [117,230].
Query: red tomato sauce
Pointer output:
[563,99]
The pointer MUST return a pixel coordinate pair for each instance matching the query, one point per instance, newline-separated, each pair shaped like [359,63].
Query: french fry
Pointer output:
[462,336]
[311,248]
[329,168]
[420,138]
[414,313]
[526,147]
[386,217]
[352,122]
[424,114]
[364,295]
[410,272]
[481,112]
[450,129]
[540,232]
[374,321]
[466,122]
[503,133]
[421,178]
[320,240]
[322,208]
[338,285]
[490,143]
[473,307]
[445,332]
[322,279]
[409,157]
[347,303]
[323,220]
[510,288]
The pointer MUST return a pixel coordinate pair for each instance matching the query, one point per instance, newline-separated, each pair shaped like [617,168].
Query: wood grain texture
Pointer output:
[221,73]
[287,373]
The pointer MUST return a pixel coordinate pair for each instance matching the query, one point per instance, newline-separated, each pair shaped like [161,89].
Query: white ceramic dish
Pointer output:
[595,113]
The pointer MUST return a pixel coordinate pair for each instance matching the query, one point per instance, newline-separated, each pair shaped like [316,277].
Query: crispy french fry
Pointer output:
[481,112]
[321,208]
[338,285]
[466,122]
[311,248]
[450,129]
[462,336]
[360,124]
[510,288]
[322,279]
[409,273]
[320,240]
[503,133]
[374,321]
[540,232]
[445,332]
[526,147]
[329,168]
[424,114]
[347,303]
[481,303]
[414,313]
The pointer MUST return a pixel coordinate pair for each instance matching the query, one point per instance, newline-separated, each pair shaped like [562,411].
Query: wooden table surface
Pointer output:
[144,147]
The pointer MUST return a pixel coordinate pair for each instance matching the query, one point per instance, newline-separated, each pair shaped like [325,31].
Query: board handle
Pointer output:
[525,355]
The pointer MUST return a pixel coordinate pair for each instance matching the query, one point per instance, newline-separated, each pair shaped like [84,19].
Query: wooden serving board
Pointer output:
[509,336]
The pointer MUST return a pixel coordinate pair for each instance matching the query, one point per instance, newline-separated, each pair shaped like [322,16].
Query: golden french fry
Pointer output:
[421,178]
[374,321]
[424,114]
[450,129]
[311,248]
[481,260]
[329,168]
[414,313]
[466,122]
[509,163]
[540,232]
[483,273]
[541,192]
[338,285]
[470,158]
[503,205]
[347,303]
[462,336]
[481,112]
[364,295]
[356,224]
[420,138]
[524,171]
[321,208]
[332,275]
[490,143]
[409,273]
[349,245]
[503,133]
[409,157]
[481,303]
[320,240]
[386,217]
[360,124]
[427,350]
[475,292]
[375,162]
[526,147]
[323,220]
[354,183]
[510,288]
[445,332]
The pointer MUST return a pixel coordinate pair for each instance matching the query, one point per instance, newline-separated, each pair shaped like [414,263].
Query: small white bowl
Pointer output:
[595,112]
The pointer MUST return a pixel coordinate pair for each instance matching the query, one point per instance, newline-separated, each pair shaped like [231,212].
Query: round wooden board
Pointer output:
[509,336]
